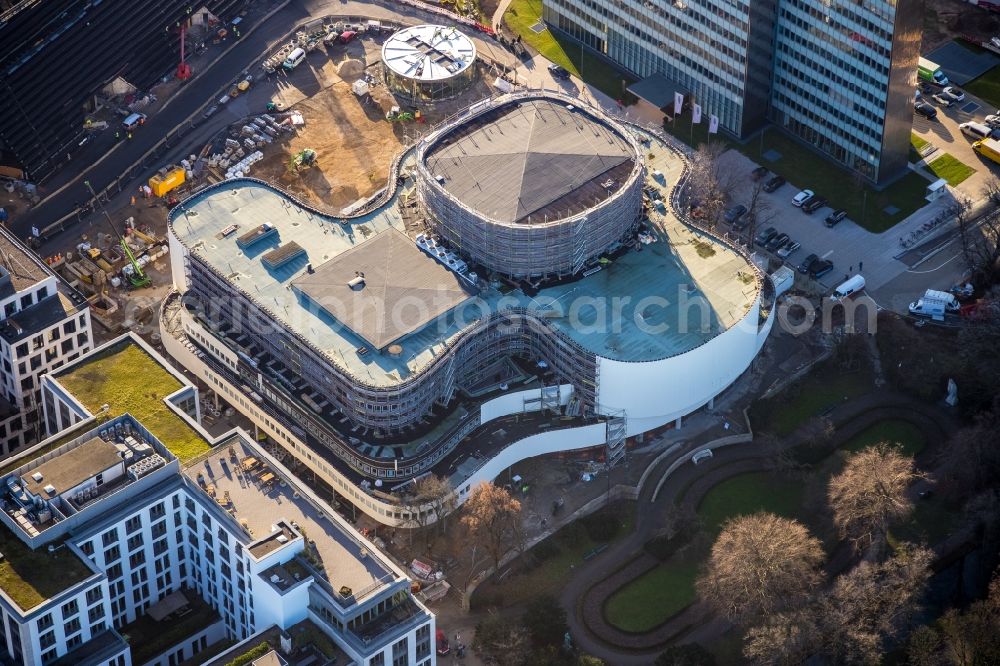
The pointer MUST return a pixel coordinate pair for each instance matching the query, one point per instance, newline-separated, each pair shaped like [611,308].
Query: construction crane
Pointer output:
[183,69]
[137,278]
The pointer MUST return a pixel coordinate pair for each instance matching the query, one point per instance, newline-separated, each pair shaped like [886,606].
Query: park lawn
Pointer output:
[917,142]
[949,168]
[523,14]
[931,522]
[907,435]
[654,597]
[986,87]
[749,493]
[820,390]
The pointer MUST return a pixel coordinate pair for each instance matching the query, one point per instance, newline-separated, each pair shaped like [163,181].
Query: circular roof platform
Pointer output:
[428,52]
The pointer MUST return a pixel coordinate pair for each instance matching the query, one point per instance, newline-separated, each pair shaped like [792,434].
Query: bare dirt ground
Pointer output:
[354,143]
[945,20]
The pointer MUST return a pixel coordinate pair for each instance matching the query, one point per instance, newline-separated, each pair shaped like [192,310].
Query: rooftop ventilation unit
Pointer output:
[37,476]
[50,489]
[146,465]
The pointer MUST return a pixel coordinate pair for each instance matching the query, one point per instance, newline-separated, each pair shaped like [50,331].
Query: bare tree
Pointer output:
[972,637]
[501,642]
[870,494]
[980,242]
[924,647]
[991,190]
[759,211]
[873,603]
[709,183]
[436,492]
[783,639]
[852,621]
[979,339]
[760,563]
[492,517]
[971,461]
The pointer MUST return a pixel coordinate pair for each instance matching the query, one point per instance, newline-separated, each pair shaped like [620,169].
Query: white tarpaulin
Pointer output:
[360,88]
[503,85]
[118,87]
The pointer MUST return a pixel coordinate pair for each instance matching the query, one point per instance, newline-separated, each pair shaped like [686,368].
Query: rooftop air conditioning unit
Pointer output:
[37,476]
[50,489]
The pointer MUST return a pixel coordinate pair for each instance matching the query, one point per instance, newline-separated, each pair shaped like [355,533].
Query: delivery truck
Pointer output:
[931,71]
[988,148]
[935,304]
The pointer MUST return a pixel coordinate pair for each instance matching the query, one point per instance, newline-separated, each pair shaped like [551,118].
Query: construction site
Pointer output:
[326,131]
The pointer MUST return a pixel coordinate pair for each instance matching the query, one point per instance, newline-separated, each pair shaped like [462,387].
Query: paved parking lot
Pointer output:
[847,245]
[944,133]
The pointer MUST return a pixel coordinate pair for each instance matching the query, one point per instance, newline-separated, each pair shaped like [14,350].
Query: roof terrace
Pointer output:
[266,504]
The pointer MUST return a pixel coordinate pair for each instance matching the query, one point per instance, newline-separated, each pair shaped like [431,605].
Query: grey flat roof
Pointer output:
[531,161]
[401,291]
[658,90]
[73,467]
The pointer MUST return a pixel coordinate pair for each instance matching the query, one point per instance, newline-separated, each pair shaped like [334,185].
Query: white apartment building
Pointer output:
[44,323]
[116,552]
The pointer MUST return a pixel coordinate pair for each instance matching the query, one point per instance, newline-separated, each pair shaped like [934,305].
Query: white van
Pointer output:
[976,131]
[850,286]
[935,304]
[294,59]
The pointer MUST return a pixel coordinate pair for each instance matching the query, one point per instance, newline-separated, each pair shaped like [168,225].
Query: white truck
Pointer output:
[935,304]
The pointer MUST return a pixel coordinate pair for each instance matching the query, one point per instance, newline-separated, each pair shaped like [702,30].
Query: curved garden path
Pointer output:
[626,560]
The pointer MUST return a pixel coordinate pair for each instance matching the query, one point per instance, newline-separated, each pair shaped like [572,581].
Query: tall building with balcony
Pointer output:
[144,541]
[838,76]
[44,323]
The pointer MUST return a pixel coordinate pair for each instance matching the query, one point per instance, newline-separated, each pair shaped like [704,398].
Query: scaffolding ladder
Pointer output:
[579,245]
[617,429]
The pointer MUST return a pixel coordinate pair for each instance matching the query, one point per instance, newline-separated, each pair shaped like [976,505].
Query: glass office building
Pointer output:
[716,53]
[844,74]
[836,74]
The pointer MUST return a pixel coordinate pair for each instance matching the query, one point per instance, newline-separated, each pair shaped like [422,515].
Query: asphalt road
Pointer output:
[186,102]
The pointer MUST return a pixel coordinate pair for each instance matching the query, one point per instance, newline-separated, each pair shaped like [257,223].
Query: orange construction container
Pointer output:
[166,180]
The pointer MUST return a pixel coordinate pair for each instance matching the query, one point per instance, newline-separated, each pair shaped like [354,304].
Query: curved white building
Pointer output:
[424,63]
[372,355]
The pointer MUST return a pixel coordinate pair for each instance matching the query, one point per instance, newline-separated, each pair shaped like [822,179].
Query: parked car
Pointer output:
[992,120]
[802,197]
[558,72]
[765,236]
[814,204]
[941,100]
[788,248]
[743,222]
[807,263]
[774,183]
[820,268]
[926,110]
[835,218]
[734,213]
[759,173]
[953,93]
[777,242]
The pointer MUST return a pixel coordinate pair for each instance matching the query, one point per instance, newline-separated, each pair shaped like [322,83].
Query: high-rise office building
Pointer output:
[837,75]
[844,74]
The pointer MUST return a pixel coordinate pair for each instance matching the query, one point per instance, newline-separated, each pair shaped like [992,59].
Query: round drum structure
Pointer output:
[532,185]
[424,63]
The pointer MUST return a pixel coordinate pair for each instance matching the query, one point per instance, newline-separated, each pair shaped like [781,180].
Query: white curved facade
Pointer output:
[654,393]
